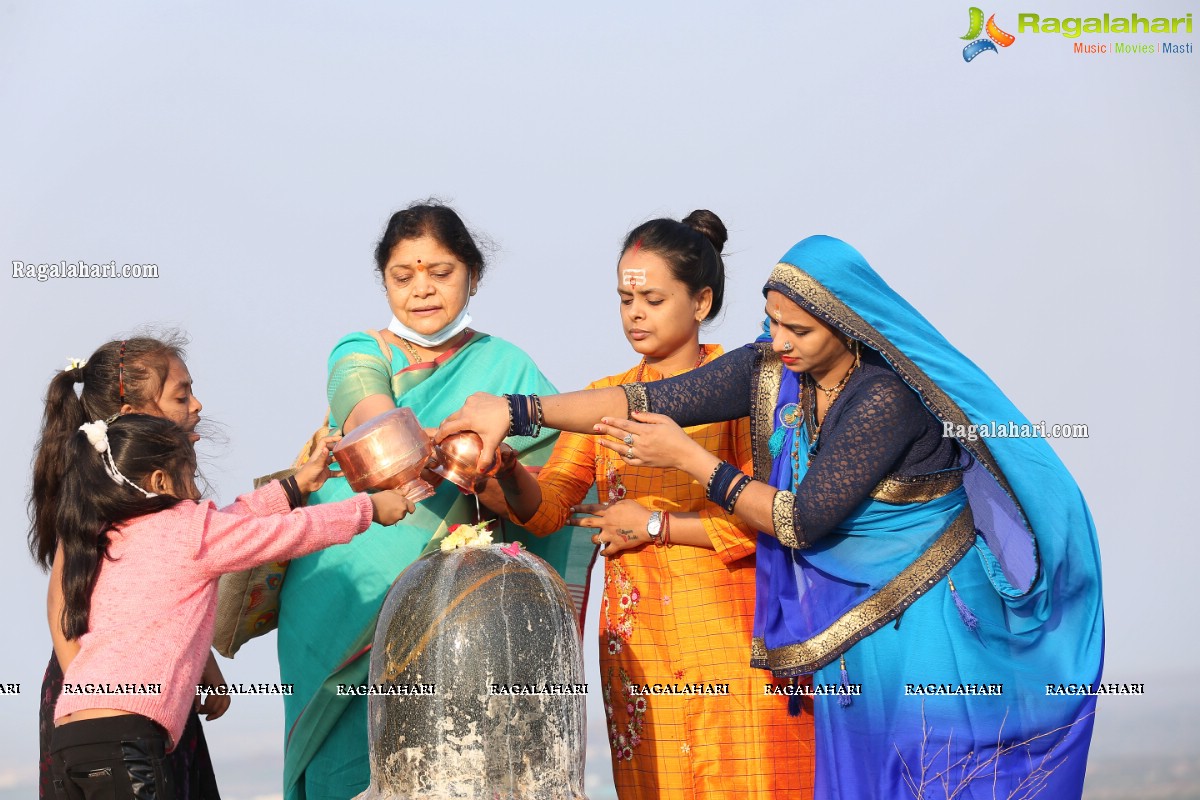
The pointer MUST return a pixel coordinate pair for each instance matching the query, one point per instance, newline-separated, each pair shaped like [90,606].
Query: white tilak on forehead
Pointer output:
[633,277]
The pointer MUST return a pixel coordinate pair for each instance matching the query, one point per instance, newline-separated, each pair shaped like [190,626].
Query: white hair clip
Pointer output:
[97,436]
[75,363]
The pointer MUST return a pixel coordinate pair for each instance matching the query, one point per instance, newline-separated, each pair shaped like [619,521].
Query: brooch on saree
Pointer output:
[789,417]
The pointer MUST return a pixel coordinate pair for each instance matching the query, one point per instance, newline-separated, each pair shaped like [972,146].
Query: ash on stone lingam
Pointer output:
[492,631]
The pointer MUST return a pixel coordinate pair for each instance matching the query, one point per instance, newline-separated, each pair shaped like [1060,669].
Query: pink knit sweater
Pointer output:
[150,625]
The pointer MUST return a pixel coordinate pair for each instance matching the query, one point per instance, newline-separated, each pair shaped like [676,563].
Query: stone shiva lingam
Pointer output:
[476,682]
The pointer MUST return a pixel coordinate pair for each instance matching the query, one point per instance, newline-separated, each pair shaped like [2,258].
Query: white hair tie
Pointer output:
[97,436]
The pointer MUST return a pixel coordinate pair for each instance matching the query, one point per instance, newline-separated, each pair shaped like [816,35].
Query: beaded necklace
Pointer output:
[642,366]
[808,411]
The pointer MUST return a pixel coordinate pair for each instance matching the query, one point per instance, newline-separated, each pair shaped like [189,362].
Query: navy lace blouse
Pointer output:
[877,428]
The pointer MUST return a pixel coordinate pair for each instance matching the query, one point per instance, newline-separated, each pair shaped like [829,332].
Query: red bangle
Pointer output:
[665,539]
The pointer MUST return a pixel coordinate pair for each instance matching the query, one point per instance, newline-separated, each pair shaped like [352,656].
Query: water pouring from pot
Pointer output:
[456,458]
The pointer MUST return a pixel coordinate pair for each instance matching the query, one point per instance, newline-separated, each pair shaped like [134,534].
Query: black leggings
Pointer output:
[110,758]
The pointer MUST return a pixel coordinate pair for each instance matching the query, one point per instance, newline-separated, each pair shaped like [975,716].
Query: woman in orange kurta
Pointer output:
[687,715]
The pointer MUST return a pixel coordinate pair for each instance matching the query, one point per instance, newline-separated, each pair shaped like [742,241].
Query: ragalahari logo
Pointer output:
[995,36]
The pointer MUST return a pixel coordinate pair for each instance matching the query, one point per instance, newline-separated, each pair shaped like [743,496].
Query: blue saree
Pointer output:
[950,605]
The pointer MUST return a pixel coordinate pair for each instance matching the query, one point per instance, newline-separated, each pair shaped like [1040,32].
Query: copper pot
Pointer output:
[387,452]
[456,458]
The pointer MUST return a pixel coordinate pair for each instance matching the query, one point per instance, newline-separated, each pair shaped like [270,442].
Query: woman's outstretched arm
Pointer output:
[715,392]
[877,426]
[488,415]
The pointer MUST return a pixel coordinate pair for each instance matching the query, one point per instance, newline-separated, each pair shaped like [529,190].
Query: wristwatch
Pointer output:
[654,526]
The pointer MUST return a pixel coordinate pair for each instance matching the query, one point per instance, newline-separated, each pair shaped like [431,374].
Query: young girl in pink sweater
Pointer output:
[142,556]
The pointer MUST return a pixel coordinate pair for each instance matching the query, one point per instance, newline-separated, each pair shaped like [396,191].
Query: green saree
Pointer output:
[330,599]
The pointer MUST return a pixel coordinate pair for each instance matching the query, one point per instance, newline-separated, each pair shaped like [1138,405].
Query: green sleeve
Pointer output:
[357,369]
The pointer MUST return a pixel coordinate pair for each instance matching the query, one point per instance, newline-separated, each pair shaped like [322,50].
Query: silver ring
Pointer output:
[629,438]
[787,347]
[629,453]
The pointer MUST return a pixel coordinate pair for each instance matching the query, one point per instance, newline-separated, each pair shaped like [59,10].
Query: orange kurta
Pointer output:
[680,618]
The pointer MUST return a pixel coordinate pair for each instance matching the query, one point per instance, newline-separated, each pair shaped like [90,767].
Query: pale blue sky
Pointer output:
[1036,205]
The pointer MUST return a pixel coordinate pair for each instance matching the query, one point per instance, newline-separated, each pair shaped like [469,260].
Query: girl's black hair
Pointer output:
[91,502]
[123,372]
[692,249]
[430,218]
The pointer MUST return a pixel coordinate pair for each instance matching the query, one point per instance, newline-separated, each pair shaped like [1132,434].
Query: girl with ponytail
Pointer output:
[141,374]
[129,511]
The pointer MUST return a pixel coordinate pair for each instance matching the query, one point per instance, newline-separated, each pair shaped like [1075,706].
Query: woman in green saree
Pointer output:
[430,267]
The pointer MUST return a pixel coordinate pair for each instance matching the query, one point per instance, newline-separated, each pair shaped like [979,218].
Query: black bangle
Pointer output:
[291,488]
[539,418]
[522,418]
[723,478]
[512,420]
[729,476]
[516,413]
[729,504]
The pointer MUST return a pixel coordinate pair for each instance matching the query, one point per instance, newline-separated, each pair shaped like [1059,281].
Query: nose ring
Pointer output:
[787,347]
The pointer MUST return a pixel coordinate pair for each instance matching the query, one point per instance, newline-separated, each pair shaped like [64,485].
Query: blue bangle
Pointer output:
[522,419]
[729,504]
[514,417]
[723,478]
[539,418]
[519,409]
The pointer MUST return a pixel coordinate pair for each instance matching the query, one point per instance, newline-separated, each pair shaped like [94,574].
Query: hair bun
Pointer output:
[709,224]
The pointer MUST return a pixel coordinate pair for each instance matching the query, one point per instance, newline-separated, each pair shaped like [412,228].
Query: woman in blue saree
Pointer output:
[937,582]
[429,359]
